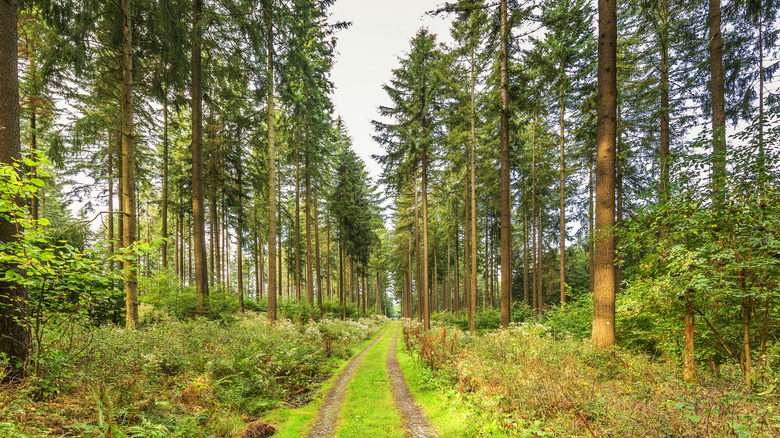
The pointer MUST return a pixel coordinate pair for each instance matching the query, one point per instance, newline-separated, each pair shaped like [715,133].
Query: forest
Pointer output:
[575,230]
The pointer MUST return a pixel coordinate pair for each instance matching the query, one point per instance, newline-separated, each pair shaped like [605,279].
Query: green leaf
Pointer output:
[43,221]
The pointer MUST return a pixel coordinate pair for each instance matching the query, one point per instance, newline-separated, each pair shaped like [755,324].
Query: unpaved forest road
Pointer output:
[415,421]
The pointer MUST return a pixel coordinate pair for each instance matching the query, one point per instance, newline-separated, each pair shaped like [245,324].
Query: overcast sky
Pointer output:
[367,52]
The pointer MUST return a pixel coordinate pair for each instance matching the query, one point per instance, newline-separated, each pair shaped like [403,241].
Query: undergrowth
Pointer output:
[195,378]
[522,382]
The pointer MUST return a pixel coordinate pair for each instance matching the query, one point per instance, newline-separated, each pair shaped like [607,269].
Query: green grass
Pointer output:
[295,422]
[443,406]
[369,409]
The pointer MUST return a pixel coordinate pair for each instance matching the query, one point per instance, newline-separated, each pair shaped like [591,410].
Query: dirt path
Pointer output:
[415,421]
[328,415]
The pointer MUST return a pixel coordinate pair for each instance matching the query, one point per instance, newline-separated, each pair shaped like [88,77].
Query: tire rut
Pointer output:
[328,414]
[415,421]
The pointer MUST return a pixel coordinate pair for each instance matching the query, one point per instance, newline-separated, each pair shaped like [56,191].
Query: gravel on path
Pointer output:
[415,421]
[328,414]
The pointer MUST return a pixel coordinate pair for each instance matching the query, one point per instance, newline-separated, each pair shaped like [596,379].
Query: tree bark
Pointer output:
[14,336]
[317,248]
[506,203]
[418,283]
[271,174]
[718,98]
[164,212]
[307,212]
[128,167]
[199,225]
[665,110]
[603,335]
[562,194]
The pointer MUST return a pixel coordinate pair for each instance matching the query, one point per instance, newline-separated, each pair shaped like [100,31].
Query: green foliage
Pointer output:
[522,381]
[194,378]
[714,244]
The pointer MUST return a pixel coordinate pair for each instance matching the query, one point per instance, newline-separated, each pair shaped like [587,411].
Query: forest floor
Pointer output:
[368,397]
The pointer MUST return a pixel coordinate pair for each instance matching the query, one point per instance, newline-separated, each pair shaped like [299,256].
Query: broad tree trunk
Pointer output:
[14,336]
[603,335]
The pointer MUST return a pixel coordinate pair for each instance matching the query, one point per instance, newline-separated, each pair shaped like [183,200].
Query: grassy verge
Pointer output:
[369,409]
[296,422]
[444,407]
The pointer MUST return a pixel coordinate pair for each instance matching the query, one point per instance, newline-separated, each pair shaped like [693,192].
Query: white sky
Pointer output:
[366,54]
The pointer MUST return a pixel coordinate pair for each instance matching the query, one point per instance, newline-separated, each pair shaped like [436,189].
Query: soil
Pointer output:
[258,429]
[415,421]
[328,415]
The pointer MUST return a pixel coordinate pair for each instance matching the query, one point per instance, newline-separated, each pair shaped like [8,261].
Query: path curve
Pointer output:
[328,414]
[415,421]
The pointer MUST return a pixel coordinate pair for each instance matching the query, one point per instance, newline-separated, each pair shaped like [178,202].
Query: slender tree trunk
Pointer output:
[562,195]
[665,109]
[110,164]
[297,251]
[119,196]
[603,335]
[526,277]
[540,248]
[418,283]
[257,254]
[14,335]
[537,271]
[271,177]
[456,297]
[164,213]
[618,200]
[327,259]
[470,248]
[718,98]
[239,237]
[472,265]
[689,359]
[199,225]
[342,301]
[409,305]
[317,247]
[506,203]
[128,166]
[216,262]
[591,230]
[307,212]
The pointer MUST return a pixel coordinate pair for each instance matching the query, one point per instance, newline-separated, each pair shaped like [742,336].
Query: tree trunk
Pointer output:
[470,249]
[271,176]
[239,236]
[317,248]
[307,212]
[506,203]
[665,110]
[128,166]
[417,251]
[297,249]
[689,359]
[526,276]
[199,225]
[603,335]
[164,212]
[718,99]
[534,252]
[258,254]
[456,297]
[110,164]
[562,195]
[14,336]
[342,301]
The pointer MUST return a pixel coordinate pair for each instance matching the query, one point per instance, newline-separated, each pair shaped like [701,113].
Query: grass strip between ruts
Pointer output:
[444,409]
[369,409]
[295,422]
